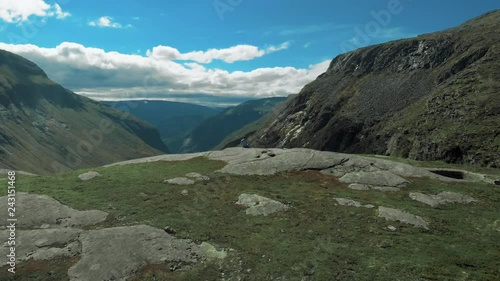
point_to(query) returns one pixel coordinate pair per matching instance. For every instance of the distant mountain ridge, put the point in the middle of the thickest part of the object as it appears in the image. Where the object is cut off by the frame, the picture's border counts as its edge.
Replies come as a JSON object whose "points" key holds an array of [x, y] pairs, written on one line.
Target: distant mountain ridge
{"points": [[249, 130], [45, 128], [172, 119], [433, 97], [212, 131]]}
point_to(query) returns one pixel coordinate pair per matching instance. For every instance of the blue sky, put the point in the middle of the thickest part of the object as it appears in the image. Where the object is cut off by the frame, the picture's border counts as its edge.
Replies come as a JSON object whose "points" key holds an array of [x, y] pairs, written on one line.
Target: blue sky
{"points": [[233, 48]]}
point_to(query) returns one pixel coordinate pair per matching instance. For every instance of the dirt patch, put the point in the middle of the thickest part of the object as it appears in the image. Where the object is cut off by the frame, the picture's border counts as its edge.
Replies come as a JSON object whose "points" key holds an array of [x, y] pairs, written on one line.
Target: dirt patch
{"points": [[55, 269]]}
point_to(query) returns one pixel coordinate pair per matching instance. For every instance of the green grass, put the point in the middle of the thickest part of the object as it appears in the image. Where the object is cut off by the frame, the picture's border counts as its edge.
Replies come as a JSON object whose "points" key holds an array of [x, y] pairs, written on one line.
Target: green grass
{"points": [[315, 238]]}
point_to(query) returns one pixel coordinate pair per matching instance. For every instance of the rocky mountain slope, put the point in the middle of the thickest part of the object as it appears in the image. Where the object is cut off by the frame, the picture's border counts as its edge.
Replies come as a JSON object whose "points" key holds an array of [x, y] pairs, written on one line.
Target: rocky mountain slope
{"points": [[215, 129], [45, 128], [433, 97]]}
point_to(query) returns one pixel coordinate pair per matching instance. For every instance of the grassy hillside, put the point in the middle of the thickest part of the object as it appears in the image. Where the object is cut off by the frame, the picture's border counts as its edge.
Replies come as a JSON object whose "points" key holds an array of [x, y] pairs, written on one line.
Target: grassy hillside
{"points": [[45, 128], [314, 240]]}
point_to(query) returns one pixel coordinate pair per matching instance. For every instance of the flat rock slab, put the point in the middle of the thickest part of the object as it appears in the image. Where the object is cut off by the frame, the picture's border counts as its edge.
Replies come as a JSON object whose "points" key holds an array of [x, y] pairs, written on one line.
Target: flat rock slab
{"points": [[40, 211], [256, 161], [259, 205], [197, 177], [106, 254], [378, 178], [246, 163], [166, 158], [442, 198], [357, 186], [353, 203], [116, 253], [386, 188], [180, 181], [89, 175], [391, 214], [44, 244]]}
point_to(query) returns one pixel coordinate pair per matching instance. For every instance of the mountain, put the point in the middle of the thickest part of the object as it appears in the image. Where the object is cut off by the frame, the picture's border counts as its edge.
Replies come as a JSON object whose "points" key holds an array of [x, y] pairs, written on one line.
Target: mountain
{"points": [[213, 130], [433, 97], [46, 128], [172, 119], [234, 139]]}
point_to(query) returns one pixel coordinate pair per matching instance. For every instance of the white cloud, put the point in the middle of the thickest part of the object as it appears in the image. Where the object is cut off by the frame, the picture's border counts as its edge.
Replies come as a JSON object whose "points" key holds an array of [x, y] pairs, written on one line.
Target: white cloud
{"points": [[111, 75], [283, 46], [106, 22], [228, 55], [59, 12], [21, 10]]}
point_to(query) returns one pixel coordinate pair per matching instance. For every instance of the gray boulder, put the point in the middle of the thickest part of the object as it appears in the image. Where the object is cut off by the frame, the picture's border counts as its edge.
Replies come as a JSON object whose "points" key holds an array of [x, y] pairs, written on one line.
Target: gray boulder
{"points": [[197, 177], [259, 205], [115, 253], [45, 244], [353, 203], [180, 181], [89, 175], [357, 186], [442, 198], [391, 214], [378, 178], [41, 210], [386, 188]]}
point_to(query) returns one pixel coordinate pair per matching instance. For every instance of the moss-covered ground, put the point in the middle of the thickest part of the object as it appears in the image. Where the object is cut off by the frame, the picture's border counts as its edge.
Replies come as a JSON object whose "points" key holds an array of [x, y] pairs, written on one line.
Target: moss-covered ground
{"points": [[314, 240]]}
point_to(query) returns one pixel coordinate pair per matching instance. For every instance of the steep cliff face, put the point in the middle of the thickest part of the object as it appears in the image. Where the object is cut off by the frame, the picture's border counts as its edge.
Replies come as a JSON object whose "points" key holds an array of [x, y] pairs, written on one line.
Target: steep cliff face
{"points": [[433, 97], [45, 128]]}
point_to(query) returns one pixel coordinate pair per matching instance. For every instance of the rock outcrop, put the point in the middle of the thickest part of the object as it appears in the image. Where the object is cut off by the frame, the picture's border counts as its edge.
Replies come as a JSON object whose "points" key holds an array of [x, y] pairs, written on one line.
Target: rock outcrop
{"points": [[47, 229], [249, 161], [379, 178], [89, 175], [392, 214], [116, 253], [352, 203], [260, 206], [441, 198]]}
